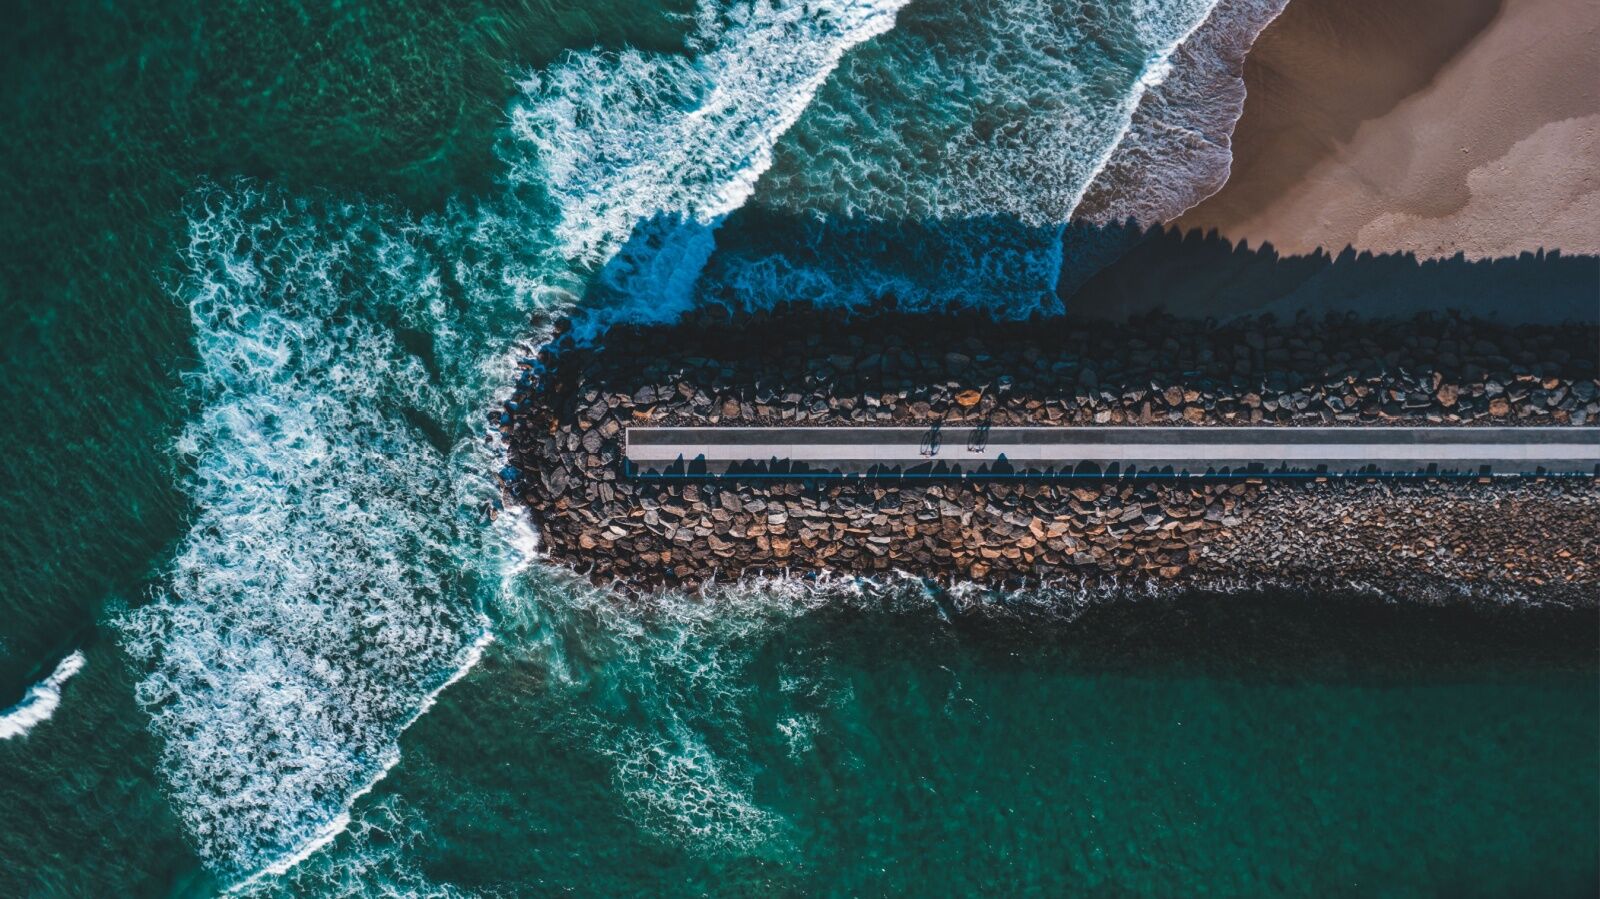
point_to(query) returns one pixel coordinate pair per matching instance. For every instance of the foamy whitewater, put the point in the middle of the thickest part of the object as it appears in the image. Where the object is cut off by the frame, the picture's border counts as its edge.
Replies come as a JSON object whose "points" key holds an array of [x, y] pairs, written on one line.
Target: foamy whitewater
{"points": [[340, 569], [1175, 151], [958, 196], [41, 700]]}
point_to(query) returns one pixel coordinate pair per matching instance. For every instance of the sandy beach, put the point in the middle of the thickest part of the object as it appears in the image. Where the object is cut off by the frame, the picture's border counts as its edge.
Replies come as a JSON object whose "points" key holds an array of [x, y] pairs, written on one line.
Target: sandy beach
{"points": [[1433, 127]]}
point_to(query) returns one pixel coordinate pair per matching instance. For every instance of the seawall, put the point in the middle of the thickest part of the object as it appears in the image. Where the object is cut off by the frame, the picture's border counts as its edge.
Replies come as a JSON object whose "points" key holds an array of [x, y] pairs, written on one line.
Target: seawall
{"points": [[803, 367]]}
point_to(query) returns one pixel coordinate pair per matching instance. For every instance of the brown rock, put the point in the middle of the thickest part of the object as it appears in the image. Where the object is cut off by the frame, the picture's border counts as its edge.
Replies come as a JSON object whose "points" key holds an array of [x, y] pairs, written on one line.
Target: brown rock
{"points": [[966, 399]]}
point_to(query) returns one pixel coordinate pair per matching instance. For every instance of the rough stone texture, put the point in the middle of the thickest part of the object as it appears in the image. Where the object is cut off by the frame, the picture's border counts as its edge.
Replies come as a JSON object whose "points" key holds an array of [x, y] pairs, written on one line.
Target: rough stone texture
{"points": [[566, 421], [1533, 538]]}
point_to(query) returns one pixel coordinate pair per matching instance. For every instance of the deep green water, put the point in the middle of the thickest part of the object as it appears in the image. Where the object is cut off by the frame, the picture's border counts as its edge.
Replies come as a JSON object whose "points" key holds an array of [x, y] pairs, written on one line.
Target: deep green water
{"points": [[252, 254]]}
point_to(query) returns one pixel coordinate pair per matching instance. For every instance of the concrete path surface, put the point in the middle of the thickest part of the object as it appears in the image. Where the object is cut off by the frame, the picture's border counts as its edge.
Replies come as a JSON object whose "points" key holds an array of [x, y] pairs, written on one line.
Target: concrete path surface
{"points": [[1094, 451]]}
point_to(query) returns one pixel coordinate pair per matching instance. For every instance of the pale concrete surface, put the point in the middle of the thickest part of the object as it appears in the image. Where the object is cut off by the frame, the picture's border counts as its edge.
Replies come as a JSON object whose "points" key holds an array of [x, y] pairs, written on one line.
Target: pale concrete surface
{"points": [[964, 450]]}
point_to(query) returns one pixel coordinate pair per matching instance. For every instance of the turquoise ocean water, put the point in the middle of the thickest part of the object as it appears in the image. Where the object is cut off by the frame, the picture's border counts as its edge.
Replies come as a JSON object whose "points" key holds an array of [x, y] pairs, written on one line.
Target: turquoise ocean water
{"points": [[263, 269]]}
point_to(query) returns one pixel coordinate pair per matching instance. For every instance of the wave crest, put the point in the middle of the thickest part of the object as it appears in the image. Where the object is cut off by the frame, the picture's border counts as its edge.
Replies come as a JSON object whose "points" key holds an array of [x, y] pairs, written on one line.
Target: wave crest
{"points": [[985, 108], [616, 138], [41, 700], [1177, 150]]}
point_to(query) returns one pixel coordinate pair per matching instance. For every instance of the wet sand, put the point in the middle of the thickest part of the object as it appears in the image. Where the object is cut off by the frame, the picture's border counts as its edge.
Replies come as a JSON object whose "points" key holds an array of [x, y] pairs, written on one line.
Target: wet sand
{"points": [[1433, 127]]}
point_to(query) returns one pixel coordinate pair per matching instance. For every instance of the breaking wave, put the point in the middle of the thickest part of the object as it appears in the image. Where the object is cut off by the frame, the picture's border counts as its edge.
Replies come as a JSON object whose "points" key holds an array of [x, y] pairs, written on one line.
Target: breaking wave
{"points": [[1177, 149], [645, 154], [972, 109], [617, 138], [41, 700], [318, 596], [939, 198], [332, 580], [375, 863]]}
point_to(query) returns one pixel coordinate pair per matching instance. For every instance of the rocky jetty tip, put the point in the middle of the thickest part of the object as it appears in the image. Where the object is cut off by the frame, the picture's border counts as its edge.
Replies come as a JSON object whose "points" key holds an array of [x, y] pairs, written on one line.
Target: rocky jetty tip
{"points": [[1537, 539]]}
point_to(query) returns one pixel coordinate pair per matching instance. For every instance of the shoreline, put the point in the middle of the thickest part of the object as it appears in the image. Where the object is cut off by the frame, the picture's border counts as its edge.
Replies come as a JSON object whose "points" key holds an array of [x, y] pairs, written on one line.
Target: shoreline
{"points": [[802, 366], [1437, 127]]}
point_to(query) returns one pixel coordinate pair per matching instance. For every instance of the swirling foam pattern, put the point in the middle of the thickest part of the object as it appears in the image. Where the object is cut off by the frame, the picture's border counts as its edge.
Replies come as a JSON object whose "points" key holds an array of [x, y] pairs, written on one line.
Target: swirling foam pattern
{"points": [[616, 138], [986, 108], [647, 153], [329, 583], [314, 601]]}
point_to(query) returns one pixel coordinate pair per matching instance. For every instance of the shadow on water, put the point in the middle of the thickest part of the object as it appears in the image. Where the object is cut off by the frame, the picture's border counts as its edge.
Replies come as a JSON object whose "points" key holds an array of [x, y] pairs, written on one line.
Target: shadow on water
{"points": [[1254, 636], [1007, 269], [1203, 274], [779, 293]]}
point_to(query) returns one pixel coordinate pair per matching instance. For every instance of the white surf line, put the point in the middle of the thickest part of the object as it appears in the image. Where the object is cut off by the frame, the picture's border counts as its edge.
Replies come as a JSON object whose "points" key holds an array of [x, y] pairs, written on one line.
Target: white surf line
{"points": [[341, 822], [871, 19], [1244, 94], [752, 98], [41, 700], [1155, 71]]}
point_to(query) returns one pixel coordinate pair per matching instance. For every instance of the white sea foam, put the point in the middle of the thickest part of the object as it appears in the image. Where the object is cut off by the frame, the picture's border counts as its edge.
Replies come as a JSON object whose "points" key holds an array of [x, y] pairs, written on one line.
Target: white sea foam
{"points": [[645, 154], [327, 588], [41, 700], [951, 189], [1157, 68], [1176, 150], [316, 601], [799, 733], [618, 138], [341, 821], [376, 863], [685, 791], [975, 109]]}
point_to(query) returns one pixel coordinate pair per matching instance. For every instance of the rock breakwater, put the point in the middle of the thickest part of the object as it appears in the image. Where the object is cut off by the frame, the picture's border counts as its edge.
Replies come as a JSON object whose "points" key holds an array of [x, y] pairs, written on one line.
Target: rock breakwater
{"points": [[566, 422]]}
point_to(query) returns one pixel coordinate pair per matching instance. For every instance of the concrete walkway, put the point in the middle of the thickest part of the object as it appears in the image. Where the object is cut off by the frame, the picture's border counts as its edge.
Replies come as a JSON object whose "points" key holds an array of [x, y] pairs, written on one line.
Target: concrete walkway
{"points": [[1093, 451]]}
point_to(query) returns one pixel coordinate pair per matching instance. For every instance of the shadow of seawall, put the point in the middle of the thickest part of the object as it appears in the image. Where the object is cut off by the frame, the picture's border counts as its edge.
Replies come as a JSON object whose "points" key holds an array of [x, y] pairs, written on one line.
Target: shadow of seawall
{"points": [[1200, 275], [759, 259]]}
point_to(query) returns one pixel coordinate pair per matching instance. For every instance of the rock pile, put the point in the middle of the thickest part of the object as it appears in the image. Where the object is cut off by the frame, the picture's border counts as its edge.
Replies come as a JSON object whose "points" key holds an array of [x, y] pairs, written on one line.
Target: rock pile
{"points": [[686, 533], [1530, 539], [565, 423]]}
